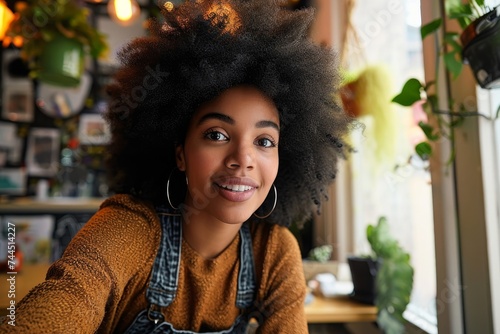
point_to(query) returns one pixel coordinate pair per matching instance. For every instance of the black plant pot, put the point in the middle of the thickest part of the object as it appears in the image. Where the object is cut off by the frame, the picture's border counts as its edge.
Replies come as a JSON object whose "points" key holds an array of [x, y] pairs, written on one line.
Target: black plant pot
{"points": [[481, 48], [363, 274]]}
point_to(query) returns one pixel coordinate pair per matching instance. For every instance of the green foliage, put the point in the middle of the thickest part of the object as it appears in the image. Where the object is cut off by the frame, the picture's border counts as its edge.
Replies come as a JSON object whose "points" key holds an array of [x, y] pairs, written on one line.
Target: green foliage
{"points": [[451, 53], [411, 93], [430, 27], [423, 150], [465, 13], [321, 253], [394, 281], [38, 22]]}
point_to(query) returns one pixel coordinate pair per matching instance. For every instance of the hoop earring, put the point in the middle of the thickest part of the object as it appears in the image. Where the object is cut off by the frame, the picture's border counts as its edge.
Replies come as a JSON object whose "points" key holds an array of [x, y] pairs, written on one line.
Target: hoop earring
{"points": [[274, 204], [168, 190]]}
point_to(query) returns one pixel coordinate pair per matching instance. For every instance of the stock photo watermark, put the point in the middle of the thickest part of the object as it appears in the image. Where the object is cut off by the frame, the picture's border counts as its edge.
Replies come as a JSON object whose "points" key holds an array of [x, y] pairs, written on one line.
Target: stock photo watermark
{"points": [[12, 264]]}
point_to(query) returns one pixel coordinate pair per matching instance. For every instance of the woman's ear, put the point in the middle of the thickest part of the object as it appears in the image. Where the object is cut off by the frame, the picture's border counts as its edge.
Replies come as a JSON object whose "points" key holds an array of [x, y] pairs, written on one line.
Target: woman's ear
{"points": [[179, 158]]}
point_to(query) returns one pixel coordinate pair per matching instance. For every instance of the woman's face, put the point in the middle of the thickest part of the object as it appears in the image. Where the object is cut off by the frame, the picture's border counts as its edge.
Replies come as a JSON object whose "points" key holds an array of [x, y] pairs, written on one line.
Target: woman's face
{"points": [[230, 155]]}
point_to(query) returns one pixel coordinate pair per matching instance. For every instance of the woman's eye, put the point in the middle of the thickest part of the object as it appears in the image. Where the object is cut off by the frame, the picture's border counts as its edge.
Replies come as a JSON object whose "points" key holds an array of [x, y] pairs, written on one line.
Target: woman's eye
{"points": [[266, 142], [215, 136]]}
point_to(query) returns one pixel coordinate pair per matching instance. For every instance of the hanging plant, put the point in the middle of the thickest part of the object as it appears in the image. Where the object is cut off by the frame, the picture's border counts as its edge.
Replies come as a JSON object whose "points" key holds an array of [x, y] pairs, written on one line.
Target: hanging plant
{"points": [[45, 24], [478, 22]]}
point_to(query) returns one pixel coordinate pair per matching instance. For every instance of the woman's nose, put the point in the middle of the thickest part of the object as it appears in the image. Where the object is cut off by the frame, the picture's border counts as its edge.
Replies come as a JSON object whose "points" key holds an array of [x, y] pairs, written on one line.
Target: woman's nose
{"points": [[241, 156]]}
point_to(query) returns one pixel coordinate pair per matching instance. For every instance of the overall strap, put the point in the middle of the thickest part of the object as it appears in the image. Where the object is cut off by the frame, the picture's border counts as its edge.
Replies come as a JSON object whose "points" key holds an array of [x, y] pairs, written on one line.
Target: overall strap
{"points": [[246, 276], [163, 284]]}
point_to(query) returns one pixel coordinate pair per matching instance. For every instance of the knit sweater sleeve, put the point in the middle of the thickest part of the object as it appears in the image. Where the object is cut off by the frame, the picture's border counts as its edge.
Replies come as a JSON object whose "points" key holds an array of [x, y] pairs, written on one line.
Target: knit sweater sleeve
{"points": [[282, 299], [88, 281]]}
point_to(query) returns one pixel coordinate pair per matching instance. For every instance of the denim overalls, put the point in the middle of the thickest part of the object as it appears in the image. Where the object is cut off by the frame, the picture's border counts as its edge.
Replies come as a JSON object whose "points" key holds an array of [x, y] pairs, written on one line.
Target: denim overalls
{"points": [[163, 284]]}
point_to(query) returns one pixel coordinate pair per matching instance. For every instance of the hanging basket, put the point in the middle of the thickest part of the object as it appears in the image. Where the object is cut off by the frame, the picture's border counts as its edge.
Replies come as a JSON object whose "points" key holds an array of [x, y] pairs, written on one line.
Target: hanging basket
{"points": [[481, 49], [61, 63]]}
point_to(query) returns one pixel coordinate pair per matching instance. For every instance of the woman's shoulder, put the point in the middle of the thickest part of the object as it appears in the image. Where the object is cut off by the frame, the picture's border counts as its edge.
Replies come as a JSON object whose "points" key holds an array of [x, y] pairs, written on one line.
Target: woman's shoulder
{"points": [[127, 207], [272, 241], [127, 202], [121, 215], [277, 235], [277, 257]]}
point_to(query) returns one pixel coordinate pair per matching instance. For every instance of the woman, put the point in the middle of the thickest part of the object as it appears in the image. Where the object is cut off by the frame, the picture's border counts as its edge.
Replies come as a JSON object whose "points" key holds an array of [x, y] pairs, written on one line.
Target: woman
{"points": [[225, 132]]}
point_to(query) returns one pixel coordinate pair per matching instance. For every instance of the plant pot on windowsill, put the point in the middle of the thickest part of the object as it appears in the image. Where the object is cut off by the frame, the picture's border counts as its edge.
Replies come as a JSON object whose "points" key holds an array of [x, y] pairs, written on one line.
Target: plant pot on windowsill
{"points": [[481, 48], [384, 278], [363, 274]]}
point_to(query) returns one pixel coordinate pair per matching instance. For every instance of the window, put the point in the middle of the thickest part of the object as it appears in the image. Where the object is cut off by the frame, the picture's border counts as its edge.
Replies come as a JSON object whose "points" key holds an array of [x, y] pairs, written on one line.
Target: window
{"points": [[385, 177]]}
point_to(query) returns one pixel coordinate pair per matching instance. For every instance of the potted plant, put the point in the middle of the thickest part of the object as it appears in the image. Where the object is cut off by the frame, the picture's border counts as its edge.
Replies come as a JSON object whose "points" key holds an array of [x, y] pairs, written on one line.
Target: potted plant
{"points": [[55, 37], [477, 45], [385, 278]]}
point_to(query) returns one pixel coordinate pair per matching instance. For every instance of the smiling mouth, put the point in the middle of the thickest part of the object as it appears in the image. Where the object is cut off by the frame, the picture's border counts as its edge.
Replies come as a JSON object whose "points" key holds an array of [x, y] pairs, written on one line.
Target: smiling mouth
{"points": [[238, 188]]}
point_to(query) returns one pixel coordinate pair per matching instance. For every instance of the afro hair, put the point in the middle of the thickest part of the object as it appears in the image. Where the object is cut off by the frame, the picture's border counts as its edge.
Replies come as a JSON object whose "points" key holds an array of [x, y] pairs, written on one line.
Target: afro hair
{"points": [[194, 53]]}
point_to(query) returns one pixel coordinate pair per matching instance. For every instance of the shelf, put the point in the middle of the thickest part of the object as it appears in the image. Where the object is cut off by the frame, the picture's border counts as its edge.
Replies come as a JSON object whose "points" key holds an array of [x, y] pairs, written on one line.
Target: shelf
{"points": [[51, 205]]}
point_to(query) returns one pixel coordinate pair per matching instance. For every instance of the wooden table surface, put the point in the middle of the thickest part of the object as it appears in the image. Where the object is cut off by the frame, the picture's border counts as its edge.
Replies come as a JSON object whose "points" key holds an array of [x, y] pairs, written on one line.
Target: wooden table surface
{"points": [[338, 309], [321, 310]]}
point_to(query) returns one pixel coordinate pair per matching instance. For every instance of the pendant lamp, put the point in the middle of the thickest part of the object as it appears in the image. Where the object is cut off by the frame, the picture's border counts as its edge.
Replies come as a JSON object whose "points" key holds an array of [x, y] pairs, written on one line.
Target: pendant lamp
{"points": [[124, 12], [6, 17]]}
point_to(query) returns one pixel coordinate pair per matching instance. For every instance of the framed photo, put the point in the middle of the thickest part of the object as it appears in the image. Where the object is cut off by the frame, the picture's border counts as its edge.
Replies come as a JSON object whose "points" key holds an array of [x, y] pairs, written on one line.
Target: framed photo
{"points": [[12, 181], [10, 144], [93, 130], [42, 154], [18, 102], [8, 134]]}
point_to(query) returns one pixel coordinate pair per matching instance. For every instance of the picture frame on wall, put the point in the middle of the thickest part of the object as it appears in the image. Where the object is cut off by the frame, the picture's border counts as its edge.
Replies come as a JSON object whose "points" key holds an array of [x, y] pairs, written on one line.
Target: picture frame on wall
{"points": [[12, 181], [17, 102], [7, 134], [93, 130], [10, 144], [42, 153]]}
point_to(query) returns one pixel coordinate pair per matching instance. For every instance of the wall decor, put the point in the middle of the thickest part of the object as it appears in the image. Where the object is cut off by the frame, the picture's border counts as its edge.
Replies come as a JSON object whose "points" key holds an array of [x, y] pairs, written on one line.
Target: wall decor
{"points": [[62, 102], [93, 130], [17, 102], [7, 134], [42, 154], [12, 181]]}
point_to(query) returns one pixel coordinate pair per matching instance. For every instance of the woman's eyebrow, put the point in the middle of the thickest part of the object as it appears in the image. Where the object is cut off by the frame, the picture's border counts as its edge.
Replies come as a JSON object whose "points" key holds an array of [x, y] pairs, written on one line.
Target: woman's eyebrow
{"points": [[229, 120], [267, 124], [216, 115]]}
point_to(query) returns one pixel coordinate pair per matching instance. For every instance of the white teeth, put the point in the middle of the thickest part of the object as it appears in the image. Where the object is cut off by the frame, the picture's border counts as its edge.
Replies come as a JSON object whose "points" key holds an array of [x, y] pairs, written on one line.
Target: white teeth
{"points": [[236, 187]]}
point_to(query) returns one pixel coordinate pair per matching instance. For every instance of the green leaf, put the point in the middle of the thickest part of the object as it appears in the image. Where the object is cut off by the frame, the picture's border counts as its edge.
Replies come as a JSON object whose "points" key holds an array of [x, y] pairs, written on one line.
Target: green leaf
{"points": [[394, 281], [428, 131], [432, 100], [424, 150], [430, 27], [452, 64], [450, 4], [410, 93], [452, 38]]}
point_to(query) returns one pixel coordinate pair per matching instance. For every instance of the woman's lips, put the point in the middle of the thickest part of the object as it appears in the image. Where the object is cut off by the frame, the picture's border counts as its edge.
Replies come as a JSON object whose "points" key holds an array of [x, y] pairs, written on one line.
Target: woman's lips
{"points": [[236, 190]]}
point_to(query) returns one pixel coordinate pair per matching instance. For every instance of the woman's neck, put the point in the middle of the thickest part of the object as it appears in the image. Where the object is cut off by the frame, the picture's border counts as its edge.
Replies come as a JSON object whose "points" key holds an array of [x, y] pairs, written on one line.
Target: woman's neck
{"points": [[207, 236]]}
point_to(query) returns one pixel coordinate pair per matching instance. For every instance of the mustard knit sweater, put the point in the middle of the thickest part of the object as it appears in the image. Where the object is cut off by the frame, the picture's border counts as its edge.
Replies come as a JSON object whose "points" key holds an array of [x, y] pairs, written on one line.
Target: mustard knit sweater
{"points": [[99, 284]]}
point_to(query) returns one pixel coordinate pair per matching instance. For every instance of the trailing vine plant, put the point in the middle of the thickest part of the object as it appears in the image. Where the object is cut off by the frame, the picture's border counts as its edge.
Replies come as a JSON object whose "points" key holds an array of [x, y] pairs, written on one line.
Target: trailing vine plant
{"points": [[414, 90]]}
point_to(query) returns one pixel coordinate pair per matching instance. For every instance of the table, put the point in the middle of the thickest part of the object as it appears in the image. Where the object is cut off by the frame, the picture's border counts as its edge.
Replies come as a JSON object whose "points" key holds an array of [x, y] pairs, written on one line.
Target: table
{"points": [[338, 309]]}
